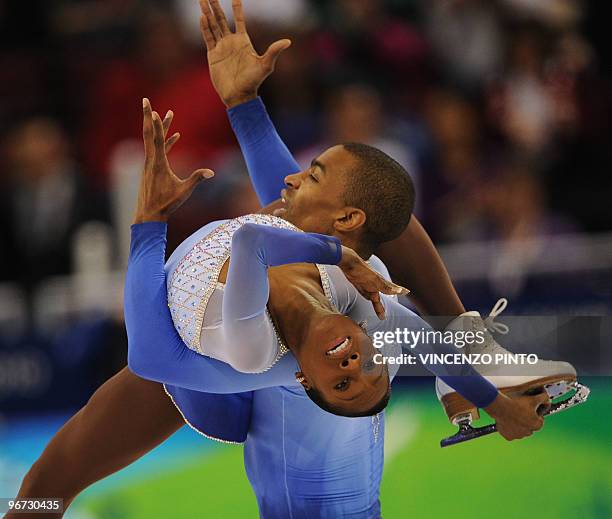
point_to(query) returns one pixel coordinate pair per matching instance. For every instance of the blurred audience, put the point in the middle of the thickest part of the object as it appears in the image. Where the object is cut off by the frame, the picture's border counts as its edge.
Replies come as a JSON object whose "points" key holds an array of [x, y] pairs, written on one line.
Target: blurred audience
{"points": [[515, 206], [45, 199], [468, 39], [523, 102], [457, 168], [363, 41], [499, 110], [356, 113], [164, 68]]}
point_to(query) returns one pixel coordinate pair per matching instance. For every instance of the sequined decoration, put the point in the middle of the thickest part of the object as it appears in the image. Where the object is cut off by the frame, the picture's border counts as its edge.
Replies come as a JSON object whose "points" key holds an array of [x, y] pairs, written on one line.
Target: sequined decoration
{"points": [[375, 418], [376, 426], [196, 277], [191, 426]]}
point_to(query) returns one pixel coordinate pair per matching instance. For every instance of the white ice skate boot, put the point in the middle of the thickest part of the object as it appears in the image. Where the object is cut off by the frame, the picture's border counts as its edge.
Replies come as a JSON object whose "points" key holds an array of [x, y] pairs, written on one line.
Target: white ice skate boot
{"points": [[557, 378]]}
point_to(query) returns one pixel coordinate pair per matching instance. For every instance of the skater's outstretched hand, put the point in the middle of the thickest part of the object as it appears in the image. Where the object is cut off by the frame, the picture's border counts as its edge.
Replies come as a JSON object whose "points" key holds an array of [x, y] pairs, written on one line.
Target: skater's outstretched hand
{"points": [[367, 281], [518, 416], [236, 70], [161, 191]]}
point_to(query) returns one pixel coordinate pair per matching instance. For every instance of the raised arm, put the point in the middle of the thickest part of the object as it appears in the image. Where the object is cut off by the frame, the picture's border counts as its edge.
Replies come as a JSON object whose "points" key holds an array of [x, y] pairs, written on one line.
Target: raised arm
{"points": [[155, 350], [516, 417], [237, 71], [267, 157]]}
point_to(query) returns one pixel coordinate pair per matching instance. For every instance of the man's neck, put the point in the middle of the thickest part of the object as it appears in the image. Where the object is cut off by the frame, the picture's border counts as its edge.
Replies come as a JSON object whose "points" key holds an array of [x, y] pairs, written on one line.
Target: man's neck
{"points": [[365, 252], [354, 241]]}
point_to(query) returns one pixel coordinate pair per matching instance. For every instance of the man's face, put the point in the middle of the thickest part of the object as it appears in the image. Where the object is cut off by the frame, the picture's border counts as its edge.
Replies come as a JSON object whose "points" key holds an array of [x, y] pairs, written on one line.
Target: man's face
{"points": [[314, 198]]}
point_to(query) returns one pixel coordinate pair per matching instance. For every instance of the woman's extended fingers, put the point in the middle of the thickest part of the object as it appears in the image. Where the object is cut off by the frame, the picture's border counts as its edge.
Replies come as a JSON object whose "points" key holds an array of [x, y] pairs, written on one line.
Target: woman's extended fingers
{"points": [[172, 141], [147, 130], [167, 121], [385, 286], [239, 16], [392, 289], [377, 304], [381, 284], [220, 16], [158, 138]]}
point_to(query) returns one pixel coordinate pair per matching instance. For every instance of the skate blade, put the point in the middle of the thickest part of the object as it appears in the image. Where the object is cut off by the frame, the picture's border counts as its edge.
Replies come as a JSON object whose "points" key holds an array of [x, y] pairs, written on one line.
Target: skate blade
{"points": [[580, 394], [466, 432], [455, 405]]}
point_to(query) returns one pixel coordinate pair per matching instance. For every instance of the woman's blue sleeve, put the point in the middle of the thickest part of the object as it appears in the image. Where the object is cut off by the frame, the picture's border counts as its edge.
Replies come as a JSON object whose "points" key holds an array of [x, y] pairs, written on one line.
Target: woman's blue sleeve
{"points": [[255, 248], [463, 378], [248, 339], [155, 350], [267, 158]]}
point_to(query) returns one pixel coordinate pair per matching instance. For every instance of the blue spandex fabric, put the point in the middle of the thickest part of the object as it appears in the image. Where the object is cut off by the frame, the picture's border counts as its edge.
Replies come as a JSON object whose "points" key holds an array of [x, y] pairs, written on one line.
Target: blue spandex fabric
{"points": [[302, 462], [156, 351]]}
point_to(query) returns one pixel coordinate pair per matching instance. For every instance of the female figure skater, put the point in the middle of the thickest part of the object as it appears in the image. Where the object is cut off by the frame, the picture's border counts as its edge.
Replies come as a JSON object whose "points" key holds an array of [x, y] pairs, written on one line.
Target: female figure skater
{"points": [[313, 311]]}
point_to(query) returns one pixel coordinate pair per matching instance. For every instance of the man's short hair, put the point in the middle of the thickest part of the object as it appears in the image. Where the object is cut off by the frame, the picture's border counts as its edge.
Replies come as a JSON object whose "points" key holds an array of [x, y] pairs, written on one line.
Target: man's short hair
{"points": [[378, 407], [383, 189]]}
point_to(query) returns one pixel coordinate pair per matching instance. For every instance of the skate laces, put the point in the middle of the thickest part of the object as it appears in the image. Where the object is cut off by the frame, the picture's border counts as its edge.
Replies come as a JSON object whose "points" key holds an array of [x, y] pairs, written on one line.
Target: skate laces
{"points": [[490, 323]]}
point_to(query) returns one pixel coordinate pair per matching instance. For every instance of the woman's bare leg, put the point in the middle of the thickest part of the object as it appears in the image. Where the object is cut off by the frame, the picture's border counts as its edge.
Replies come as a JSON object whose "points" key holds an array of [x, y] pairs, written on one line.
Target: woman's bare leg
{"points": [[124, 419]]}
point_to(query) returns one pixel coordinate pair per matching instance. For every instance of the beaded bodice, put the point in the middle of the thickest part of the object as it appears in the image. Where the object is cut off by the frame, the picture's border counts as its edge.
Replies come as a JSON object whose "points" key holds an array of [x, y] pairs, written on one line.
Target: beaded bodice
{"points": [[196, 277]]}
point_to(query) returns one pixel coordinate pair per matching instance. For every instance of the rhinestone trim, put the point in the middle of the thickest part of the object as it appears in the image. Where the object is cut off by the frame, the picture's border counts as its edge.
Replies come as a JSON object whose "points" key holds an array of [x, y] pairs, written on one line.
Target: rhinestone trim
{"points": [[376, 426], [282, 348], [197, 275], [326, 284], [193, 427]]}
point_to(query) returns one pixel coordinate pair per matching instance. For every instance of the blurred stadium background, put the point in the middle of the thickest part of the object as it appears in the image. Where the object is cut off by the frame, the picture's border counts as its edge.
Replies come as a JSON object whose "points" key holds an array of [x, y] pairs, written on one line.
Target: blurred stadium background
{"points": [[501, 111]]}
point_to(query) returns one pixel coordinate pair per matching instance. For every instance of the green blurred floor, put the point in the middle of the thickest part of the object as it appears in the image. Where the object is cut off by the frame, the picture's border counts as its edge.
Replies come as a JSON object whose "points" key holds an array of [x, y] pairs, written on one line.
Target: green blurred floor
{"points": [[565, 471]]}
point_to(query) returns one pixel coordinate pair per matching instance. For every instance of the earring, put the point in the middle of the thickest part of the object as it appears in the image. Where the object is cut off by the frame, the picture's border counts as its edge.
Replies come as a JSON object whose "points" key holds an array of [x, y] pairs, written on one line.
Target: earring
{"points": [[300, 378]]}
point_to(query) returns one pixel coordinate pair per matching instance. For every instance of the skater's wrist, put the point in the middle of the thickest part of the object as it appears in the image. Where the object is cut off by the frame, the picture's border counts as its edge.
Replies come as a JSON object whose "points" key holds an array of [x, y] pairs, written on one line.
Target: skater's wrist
{"points": [[240, 99], [499, 407]]}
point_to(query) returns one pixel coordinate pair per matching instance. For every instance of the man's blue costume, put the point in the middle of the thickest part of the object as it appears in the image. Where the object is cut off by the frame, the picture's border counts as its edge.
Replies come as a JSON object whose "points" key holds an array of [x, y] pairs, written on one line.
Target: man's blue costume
{"points": [[301, 461]]}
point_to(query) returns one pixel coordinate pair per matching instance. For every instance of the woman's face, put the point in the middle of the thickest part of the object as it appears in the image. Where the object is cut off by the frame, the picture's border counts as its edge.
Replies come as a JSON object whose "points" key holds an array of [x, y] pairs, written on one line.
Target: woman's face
{"points": [[336, 360]]}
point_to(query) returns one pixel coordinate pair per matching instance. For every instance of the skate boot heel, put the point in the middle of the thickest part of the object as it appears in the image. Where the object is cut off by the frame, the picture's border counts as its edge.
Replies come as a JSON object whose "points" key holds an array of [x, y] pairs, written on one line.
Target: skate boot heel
{"points": [[458, 409]]}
